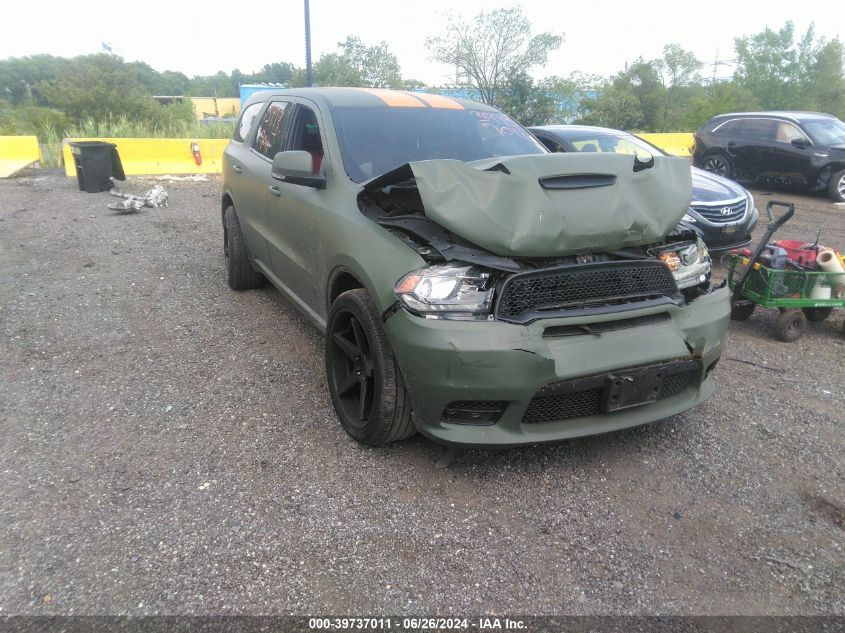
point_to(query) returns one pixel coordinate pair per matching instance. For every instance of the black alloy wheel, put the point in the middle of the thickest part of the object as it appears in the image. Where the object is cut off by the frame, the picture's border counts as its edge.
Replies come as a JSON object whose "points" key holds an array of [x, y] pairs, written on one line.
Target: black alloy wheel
{"points": [[718, 164], [351, 368], [365, 383], [837, 187]]}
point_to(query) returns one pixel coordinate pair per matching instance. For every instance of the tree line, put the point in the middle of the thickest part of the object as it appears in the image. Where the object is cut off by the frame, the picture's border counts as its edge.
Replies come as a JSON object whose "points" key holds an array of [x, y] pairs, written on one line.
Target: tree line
{"points": [[493, 55], [774, 70]]}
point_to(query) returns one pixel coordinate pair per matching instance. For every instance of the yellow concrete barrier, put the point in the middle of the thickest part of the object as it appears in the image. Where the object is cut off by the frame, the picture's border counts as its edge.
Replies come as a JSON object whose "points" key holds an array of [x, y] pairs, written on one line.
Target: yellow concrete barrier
{"points": [[216, 107], [678, 144], [156, 156], [17, 153]]}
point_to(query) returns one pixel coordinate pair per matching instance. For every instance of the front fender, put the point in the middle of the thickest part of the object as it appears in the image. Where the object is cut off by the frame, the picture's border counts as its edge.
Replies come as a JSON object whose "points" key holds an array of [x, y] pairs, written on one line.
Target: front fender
{"points": [[377, 270]]}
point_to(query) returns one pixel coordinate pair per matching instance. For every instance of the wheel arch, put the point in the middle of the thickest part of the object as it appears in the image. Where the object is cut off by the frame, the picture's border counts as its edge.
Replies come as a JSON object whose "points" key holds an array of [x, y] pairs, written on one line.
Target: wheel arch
{"points": [[722, 151], [341, 279], [835, 168], [376, 270], [226, 201]]}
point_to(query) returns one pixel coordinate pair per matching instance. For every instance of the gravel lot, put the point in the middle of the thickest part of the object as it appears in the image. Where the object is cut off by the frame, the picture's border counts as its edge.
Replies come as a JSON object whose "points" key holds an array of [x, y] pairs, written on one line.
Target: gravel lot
{"points": [[168, 446]]}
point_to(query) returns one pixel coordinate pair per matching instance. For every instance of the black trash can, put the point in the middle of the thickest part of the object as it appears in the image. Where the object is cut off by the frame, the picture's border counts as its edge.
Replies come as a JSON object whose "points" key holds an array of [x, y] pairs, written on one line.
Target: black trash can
{"points": [[97, 162]]}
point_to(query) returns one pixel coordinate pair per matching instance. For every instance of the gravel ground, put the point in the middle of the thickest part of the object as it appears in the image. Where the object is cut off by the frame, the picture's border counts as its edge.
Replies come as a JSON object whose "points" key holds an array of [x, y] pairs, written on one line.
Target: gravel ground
{"points": [[168, 446]]}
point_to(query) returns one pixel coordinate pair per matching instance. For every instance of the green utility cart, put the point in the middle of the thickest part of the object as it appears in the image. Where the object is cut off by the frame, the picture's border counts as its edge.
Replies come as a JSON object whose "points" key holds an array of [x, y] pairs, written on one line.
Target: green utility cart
{"points": [[801, 295]]}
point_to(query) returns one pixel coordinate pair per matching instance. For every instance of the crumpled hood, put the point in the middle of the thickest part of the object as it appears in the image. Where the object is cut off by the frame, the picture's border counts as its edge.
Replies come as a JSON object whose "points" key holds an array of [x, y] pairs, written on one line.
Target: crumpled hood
{"points": [[546, 205]]}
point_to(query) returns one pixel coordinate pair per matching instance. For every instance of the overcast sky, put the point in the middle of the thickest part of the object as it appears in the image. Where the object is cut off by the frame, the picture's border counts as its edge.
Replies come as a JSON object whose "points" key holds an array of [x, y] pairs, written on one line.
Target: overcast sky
{"points": [[204, 37]]}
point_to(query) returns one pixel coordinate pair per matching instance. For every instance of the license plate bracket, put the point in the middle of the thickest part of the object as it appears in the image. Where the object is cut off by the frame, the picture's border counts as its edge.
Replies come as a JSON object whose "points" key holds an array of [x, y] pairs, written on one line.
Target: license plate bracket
{"points": [[627, 389]]}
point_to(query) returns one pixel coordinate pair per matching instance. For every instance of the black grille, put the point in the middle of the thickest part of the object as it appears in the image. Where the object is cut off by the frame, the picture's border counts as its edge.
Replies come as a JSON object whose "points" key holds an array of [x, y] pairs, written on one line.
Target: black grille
{"points": [[565, 407], [582, 397], [474, 411], [481, 405], [673, 385], [532, 295], [735, 212]]}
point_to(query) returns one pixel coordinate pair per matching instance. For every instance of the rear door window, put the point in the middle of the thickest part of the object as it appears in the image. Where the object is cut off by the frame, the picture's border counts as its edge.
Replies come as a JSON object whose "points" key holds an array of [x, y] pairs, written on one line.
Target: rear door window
{"points": [[273, 129], [758, 129], [727, 128]]}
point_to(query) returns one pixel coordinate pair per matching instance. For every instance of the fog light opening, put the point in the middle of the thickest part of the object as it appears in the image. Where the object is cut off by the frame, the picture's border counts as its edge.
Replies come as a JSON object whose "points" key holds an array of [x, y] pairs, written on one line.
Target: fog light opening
{"points": [[474, 412]]}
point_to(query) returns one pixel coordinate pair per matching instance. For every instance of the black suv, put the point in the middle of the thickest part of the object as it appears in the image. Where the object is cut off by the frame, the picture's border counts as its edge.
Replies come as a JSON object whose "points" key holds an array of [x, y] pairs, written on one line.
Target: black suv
{"points": [[804, 149]]}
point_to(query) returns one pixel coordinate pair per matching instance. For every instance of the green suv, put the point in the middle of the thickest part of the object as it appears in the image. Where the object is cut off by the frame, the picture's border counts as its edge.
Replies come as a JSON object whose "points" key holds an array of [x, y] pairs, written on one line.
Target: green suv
{"points": [[472, 286]]}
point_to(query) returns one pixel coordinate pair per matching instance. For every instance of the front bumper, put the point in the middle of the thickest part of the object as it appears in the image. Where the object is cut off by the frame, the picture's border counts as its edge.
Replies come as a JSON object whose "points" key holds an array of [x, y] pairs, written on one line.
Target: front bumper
{"points": [[447, 361]]}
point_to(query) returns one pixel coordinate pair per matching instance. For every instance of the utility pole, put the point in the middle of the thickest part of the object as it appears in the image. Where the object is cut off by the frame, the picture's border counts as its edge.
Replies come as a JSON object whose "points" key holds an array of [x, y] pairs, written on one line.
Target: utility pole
{"points": [[309, 75], [718, 63], [715, 63]]}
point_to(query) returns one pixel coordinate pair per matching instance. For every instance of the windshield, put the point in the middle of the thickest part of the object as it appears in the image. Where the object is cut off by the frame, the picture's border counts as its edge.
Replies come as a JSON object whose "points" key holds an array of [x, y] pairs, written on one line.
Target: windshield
{"points": [[826, 131], [374, 141], [611, 142]]}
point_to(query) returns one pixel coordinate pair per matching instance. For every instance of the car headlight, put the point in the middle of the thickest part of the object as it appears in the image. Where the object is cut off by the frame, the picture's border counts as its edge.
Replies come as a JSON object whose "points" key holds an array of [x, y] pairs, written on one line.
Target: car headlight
{"points": [[689, 263], [688, 218], [448, 291], [750, 208]]}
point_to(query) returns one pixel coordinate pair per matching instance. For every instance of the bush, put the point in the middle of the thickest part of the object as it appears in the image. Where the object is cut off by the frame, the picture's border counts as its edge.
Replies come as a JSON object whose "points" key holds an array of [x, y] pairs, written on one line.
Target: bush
{"points": [[30, 120]]}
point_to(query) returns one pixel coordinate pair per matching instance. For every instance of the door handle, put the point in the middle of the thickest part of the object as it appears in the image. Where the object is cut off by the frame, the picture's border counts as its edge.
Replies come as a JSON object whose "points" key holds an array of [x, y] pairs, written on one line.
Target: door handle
{"points": [[275, 190], [237, 169]]}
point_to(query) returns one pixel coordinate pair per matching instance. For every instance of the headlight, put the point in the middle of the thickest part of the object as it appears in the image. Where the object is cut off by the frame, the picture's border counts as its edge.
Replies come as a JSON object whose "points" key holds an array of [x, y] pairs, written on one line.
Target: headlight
{"points": [[448, 291], [689, 263], [695, 265], [688, 218], [750, 208]]}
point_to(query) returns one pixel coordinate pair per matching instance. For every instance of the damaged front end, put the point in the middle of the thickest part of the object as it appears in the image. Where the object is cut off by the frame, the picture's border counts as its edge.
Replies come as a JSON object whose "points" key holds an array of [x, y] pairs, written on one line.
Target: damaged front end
{"points": [[522, 238]]}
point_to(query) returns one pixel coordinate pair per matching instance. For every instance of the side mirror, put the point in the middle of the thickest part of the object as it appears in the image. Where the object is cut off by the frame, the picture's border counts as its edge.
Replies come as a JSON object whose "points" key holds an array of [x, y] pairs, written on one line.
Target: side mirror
{"points": [[801, 143], [643, 161], [297, 168]]}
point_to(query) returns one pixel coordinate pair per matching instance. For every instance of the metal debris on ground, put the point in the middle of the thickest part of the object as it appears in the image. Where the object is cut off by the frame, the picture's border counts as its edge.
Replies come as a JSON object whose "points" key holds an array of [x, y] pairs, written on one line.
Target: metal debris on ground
{"points": [[191, 178], [154, 198]]}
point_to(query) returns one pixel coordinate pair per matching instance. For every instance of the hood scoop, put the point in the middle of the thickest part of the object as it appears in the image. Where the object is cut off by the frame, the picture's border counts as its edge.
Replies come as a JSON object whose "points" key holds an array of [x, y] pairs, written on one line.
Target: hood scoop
{"points": [[577, 181]]}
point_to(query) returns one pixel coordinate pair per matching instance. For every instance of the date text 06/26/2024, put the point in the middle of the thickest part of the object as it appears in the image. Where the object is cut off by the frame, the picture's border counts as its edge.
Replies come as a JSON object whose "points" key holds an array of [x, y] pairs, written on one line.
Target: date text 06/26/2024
{"points": [[414, 624]]}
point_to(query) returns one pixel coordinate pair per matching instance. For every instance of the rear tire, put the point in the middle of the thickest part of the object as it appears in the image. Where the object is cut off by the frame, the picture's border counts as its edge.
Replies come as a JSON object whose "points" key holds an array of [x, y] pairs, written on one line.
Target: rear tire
{"points": [[791, 325], [239, 270], [719, 163], [365, 384], [817, 315], [741, 311], [836, 187]]}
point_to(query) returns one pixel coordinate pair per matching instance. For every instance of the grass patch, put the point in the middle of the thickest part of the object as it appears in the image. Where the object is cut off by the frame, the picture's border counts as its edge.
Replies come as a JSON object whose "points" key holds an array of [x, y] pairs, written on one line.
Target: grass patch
{"points": [[50, 136], [51, 126]]}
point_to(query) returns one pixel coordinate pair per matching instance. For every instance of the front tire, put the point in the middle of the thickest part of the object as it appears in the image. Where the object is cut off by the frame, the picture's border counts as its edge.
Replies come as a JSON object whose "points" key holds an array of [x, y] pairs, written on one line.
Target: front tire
{"points": [[719, 164], [239, 271], [742, 310], [367, 390], [836, 188], [791, 325]]}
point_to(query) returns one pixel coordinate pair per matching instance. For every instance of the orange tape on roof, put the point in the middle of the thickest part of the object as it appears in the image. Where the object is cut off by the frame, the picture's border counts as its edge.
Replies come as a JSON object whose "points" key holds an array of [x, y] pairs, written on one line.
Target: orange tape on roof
{"points": [[394, 98], [439, 101]]}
